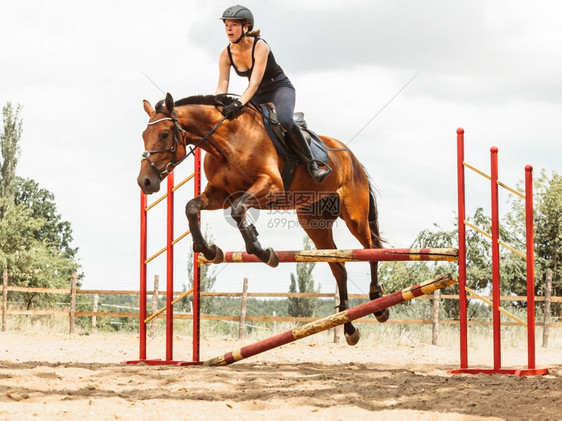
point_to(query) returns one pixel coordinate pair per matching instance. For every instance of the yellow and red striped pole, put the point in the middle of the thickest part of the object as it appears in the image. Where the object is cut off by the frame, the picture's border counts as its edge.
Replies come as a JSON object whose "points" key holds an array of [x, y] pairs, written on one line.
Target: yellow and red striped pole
{"points": [[329, 322], [350, 255]]}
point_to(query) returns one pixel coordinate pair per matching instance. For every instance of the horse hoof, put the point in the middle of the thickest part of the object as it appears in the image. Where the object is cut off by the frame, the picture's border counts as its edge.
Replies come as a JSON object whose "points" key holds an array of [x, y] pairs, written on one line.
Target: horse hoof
{"points": [[273, 260], [215, 254], [353, 338], [219, 256], [382, 316]]}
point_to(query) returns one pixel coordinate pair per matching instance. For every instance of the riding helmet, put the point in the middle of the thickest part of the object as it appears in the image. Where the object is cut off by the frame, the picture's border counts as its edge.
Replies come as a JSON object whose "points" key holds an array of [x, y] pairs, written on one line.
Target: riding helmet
{"points": [[239, 13]]}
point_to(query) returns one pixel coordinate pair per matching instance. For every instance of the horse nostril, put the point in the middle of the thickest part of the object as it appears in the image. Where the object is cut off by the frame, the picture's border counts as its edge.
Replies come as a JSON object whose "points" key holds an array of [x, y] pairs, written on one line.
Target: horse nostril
{"points": [[147, 182]]}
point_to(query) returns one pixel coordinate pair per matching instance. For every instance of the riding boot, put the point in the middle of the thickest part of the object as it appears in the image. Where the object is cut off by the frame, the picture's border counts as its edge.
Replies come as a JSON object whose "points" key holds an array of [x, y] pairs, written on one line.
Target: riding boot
{"points": [[302, 148]]}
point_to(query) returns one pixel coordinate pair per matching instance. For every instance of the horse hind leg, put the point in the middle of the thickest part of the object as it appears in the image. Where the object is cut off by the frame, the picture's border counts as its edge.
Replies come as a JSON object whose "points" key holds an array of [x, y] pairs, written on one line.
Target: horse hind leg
{"points": [[319, 229], [366, 230], [375, 289]]}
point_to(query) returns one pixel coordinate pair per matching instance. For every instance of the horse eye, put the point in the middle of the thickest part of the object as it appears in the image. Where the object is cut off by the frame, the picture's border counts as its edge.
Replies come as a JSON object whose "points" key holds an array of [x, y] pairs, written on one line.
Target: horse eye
{"points": [[164, 135]]}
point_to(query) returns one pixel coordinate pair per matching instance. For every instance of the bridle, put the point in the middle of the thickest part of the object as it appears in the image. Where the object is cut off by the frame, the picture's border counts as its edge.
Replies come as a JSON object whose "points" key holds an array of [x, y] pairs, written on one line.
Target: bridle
{"points": [[174, 148], [175, 143]]}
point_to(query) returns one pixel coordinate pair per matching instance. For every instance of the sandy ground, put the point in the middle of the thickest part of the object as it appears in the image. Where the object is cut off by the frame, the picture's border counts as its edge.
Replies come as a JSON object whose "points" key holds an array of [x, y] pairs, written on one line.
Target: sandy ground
{"points": [[55, 376]]}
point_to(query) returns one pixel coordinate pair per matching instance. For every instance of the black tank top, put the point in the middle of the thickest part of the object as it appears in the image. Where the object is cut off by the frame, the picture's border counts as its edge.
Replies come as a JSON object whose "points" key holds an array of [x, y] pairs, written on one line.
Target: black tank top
{"points": [[272, 69]]}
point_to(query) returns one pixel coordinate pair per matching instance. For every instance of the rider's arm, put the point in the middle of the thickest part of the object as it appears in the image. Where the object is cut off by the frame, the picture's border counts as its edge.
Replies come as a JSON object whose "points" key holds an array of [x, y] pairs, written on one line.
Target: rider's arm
{"points": [[224, 73], [260, 56]]}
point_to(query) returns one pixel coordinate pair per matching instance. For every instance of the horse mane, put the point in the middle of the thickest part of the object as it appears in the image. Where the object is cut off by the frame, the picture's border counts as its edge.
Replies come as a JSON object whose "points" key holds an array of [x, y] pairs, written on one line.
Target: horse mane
{"points": [[213, 100]]}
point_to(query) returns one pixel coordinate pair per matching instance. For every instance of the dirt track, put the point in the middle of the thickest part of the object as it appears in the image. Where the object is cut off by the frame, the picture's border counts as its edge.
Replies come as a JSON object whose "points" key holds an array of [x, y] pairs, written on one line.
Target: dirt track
{"points": [[61, 377]]}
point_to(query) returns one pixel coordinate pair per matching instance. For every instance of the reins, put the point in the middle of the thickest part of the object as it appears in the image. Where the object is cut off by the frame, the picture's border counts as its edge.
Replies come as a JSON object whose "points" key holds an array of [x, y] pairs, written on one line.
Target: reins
{"points": [[206, 138]]}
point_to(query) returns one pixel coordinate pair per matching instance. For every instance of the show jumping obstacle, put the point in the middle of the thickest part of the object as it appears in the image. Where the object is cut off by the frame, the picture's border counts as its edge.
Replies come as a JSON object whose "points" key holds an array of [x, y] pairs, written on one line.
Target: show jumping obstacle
{"points": [[496, 242], [169, 250], [364, 255], [334, 320]]}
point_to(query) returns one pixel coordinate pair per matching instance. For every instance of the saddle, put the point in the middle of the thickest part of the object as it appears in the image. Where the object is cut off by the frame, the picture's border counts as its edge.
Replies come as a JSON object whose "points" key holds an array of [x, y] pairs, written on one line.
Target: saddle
{"points": [[273, 127]]}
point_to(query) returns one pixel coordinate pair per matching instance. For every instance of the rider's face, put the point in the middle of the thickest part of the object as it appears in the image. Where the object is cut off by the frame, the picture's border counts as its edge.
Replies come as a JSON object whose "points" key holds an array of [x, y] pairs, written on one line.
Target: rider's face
{"points": [[233, 29]]}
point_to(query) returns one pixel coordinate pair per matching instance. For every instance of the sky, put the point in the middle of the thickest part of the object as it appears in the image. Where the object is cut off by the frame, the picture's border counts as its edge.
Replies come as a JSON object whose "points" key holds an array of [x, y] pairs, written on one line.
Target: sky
{"points": [[81, 70]]}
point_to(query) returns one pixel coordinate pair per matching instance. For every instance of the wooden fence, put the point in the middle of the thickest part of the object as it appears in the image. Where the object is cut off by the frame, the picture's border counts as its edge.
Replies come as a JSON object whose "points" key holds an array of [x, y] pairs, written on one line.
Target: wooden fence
{"points": [[242, 319]]}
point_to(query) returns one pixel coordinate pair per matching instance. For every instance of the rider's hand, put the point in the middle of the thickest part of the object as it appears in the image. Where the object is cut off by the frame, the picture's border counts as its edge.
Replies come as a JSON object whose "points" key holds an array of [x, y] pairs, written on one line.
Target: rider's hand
{"points": [[231, 109]]}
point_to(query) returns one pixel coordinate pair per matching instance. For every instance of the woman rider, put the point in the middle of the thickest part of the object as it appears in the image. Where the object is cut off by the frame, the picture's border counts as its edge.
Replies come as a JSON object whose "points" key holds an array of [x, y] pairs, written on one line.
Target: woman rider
{"points": [[251, 57]]}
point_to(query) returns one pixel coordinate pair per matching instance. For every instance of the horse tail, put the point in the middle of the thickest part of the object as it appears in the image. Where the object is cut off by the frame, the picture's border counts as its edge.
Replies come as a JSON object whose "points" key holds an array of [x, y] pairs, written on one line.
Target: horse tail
{"points": [[373, 215]]}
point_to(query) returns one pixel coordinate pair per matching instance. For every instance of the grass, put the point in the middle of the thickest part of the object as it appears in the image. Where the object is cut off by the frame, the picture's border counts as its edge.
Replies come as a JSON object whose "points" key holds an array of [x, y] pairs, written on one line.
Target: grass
{"points": [[371, 333]]}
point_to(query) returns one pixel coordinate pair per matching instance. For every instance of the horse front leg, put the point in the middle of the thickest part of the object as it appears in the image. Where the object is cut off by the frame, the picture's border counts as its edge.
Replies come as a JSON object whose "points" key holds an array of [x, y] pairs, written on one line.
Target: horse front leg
{"points": [[248, 230], [208, 200]]}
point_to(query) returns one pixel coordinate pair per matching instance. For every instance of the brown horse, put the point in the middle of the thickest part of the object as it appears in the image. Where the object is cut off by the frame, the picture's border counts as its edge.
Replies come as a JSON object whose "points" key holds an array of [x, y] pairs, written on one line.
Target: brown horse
{"points": [[243, 170]]}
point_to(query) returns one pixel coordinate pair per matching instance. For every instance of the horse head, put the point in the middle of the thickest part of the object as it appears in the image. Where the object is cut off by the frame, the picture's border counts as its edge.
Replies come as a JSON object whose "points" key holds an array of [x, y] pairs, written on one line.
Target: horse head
{"points": [[163, 145]]}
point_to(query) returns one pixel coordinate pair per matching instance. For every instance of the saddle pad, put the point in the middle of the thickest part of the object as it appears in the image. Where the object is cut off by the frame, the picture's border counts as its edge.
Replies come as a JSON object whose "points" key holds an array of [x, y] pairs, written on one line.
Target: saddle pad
{"points": [[317, 147], [278, 142]]}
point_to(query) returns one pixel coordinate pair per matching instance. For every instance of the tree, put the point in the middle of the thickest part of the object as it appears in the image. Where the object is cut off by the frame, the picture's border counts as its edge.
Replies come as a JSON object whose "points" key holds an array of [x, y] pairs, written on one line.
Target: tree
{"points": [[548, 236], [303, 306], [9, 153], [208, 278], [548, 230], [55, 232], [35, 242], [548, 249], [398, 275]]}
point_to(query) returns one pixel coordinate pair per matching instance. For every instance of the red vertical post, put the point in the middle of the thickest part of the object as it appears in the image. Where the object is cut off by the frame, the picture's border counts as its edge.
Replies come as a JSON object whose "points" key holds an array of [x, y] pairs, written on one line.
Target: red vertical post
{"points": [[462, 250], [530, 237], [196, 272], [495, 257], [142, 296], [170, 269]]}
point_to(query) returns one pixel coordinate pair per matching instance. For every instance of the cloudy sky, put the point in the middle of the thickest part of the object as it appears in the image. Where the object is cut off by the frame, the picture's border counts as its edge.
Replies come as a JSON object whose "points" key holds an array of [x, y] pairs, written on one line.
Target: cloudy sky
{"points": [[78, 69]]}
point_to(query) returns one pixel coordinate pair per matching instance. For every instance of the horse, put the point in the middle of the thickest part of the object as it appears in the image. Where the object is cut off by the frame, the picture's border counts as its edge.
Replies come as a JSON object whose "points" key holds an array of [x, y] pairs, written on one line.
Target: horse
{"points": [[243, 170]]}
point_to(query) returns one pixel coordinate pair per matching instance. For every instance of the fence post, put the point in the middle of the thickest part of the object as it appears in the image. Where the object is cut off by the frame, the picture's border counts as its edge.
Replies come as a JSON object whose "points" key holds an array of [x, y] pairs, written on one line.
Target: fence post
{"points": [[4, 298], [241, 328], [95, 310], [72, 303], [547, 293], [435, 331], [154, 304]]}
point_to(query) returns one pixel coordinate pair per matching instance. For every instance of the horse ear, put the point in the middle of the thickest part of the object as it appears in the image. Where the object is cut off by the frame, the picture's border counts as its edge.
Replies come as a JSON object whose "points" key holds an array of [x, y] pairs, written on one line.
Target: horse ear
{"points": [[148, 108], [169, 102]]}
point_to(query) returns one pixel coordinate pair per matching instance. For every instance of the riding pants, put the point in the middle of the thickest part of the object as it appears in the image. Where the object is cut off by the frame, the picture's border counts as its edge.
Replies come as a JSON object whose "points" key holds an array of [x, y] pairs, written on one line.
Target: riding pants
{"points": [[282, 93]]}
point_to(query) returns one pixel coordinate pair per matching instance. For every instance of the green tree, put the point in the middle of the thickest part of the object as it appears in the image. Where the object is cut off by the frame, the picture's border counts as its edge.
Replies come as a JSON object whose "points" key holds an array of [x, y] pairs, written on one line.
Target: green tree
{"points": [[303, 306], [548, 236], [9, 153], [398, 275], [55, 232], [548, 249], [208, 278], [35, 242], [548, 231]]}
